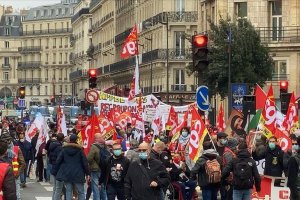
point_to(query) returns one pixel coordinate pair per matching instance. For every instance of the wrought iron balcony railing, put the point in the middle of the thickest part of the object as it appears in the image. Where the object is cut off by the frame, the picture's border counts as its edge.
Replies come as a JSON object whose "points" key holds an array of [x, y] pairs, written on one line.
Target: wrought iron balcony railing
{"points": [[78, 74], [83, 11], [34, 64], [29, 80], [6, 66], [30, 49], [279, 77], [47, 31], [285, 34]]}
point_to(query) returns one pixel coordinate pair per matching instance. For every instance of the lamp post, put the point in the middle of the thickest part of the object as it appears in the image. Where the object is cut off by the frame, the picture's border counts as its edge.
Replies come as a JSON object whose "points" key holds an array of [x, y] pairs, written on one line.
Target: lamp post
{"points": [[229, 70], [151, 67]]}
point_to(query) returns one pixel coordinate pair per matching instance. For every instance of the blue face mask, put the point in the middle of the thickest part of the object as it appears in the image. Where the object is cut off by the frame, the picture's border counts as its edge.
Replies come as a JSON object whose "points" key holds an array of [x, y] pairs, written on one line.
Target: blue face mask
{"points": [[117, 152], [143, 155], [272, 145], [224, 142], [184, 133], [295, 147]]}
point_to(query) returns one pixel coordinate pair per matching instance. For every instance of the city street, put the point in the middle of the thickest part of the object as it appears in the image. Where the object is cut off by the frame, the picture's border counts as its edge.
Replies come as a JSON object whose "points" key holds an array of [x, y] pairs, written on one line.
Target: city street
{"points": [[37, 191]]}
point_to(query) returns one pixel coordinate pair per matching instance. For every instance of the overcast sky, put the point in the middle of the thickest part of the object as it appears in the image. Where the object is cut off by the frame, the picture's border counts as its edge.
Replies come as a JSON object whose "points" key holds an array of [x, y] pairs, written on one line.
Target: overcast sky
{"points": [[17, 4]]}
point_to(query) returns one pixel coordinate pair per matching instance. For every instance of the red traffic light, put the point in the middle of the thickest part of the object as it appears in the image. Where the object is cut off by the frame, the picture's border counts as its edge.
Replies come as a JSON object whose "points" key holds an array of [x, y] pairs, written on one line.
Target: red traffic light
{"points": [[200, 40], [92, 73], [284, 85]]}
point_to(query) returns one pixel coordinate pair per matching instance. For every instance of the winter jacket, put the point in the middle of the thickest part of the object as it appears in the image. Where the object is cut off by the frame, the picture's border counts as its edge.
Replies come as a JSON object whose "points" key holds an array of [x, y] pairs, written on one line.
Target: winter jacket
{"points": [[26, 150], [110, 173], [286, 157], [8, 185], [71, 164], [132, 155], [199, 168], [94, 158], [242, 155], [139, 176], [273, 160], [293, 176], [54, 150], [164, 157], [47, 146]]}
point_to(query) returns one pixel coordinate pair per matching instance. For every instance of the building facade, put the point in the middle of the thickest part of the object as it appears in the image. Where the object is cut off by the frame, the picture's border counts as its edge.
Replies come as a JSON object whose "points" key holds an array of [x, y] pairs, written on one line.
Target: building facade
{"points": [[10, 41], [81, 57], [45, 50], [164, 29]]}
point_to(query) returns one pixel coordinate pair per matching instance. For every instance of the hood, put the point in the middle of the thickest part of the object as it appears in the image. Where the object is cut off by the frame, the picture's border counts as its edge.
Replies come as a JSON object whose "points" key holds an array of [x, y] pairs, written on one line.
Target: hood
{"points": [[54, 145], [72, 148], [244, 153]]}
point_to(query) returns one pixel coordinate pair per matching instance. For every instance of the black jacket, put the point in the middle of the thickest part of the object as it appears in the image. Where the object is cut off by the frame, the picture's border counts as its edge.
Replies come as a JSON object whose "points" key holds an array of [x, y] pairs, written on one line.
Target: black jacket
{"points": [[26, 150], [165, 157], [71, 164], [199, 169], [113, 176], [54, 150], [8, 186], [139, 176], [242, 154], [293, 182], [273, 160]]}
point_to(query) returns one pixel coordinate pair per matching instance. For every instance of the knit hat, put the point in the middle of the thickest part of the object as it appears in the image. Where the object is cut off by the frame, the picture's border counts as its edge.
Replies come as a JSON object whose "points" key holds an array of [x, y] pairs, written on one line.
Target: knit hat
{"points": [[73, 138], [5, 136]]}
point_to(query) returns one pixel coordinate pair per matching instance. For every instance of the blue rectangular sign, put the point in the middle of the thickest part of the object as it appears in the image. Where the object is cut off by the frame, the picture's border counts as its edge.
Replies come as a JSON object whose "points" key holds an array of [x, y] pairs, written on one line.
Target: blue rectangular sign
{"points": [[238, 91]]}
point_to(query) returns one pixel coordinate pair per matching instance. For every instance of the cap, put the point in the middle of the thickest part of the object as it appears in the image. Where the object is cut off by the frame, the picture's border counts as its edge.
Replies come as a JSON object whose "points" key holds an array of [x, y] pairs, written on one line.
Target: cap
{"points": [[232, 143], [221, 135], [73, 138]]}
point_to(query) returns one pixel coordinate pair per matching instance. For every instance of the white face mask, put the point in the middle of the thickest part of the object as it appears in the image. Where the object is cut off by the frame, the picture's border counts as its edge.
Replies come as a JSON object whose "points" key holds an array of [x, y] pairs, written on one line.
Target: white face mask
{"points": [[22, 140], [184, 133]]}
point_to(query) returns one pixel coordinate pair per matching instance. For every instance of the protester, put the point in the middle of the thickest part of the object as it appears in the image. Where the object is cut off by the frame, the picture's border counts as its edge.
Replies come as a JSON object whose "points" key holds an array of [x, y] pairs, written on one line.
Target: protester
{"points": [[132, 153], [7, 179], [245, 174], [72, 168], [146, 177]]}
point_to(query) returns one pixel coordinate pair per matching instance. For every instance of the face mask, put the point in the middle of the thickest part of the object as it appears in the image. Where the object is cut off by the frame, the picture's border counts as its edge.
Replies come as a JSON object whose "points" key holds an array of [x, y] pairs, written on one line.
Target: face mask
{"points": [[295, 147], [258, 137], [117, 152], [143, 155], [272, 145], [224, 142], [184, 134], [21, 140]]}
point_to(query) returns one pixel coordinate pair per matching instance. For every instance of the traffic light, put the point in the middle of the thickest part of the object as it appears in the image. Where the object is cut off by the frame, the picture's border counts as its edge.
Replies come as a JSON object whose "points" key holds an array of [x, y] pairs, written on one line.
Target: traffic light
{"points": [[200, 51], [284, 96], [92, 78], [284, 87], [22, 92]]}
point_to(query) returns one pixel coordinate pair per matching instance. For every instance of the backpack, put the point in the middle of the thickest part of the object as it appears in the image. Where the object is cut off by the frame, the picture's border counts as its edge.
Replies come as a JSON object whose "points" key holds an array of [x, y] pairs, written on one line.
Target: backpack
{"points": [[104, 155], [213, 171], [242, 173]]}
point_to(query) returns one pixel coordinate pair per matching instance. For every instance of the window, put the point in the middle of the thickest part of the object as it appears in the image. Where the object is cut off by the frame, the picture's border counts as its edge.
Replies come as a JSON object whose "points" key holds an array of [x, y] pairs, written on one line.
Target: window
{"points": [[276, 20], [179, 43], [6, 61], [66, 54], [47, 43], [180, 5], [241, 9], [47, 57], [60, 89], [60, 58], [5, 76], [179, 79], [7, 31], [54, 42], [6, 44], [66, 89], [46, 90], [22, 18], [54, 58], [47, 74], [279, 70]]}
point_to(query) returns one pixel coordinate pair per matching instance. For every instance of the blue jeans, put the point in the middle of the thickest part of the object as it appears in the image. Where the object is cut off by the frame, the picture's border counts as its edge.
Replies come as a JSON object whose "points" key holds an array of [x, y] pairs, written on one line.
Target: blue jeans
{"points": [[57, 189], [80, 190], [209, 193], [95, 185], [18, 188], [48, 170], [242, 194], [23, 173]]}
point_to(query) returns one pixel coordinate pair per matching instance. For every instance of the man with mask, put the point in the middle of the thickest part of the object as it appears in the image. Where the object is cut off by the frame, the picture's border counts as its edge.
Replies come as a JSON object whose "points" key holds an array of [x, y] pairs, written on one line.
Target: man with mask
{"points": [[115, 170], [146, 177], [273, 156], [26, 149]]}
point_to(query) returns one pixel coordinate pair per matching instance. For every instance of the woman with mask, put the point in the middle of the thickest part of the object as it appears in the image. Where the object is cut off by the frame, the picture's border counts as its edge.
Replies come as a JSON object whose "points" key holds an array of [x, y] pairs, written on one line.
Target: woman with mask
{"points": [[115, 169]]}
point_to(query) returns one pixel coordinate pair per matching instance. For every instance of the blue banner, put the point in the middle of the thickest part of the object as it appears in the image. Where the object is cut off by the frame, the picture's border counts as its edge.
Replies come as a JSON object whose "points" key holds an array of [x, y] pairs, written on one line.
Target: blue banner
{"points": [[238, 91]]}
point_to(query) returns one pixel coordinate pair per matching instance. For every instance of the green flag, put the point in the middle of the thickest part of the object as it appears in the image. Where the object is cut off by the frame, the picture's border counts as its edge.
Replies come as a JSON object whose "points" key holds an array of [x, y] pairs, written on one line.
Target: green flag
{"points": [[254, 121]]}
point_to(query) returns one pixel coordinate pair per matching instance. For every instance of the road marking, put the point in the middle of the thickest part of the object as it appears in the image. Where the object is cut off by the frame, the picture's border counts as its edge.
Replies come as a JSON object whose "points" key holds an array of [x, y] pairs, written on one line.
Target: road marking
{"points": [[49, 189], [43, 198], [44, 183]]}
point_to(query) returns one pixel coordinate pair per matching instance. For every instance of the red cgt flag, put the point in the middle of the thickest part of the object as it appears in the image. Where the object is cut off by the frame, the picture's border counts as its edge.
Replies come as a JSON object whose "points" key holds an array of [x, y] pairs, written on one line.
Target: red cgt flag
{"points": [[283, 140], [172, 122], [261, 97], [269, 114], [220, 119], [130, 47], [290, 122]]}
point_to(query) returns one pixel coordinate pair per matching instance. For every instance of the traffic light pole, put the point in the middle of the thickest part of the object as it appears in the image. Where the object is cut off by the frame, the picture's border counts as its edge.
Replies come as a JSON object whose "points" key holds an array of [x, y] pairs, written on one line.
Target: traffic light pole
{"points": [[229, 73]]}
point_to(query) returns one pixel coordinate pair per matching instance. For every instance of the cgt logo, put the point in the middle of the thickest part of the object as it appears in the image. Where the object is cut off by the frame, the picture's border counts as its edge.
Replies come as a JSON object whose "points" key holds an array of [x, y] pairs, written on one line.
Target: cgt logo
{"points": [[282, 195]]}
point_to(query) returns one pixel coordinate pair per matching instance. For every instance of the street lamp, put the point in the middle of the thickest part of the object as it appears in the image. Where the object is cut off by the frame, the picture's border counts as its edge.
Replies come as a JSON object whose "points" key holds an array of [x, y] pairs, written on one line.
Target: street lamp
{"points": [[229, 40], [151, 72]]}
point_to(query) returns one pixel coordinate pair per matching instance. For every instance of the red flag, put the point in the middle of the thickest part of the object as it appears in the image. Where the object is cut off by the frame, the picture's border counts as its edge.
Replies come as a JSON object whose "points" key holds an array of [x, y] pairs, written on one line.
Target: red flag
{"points": [[220, 119], [130, 46], [106, 129], [269, 114], [261, 97], [172, 122], [124, 119], [290, 122], [176, 131], [58, 119], [198, 133], [283, 140], [88, 133], [114, 114]]}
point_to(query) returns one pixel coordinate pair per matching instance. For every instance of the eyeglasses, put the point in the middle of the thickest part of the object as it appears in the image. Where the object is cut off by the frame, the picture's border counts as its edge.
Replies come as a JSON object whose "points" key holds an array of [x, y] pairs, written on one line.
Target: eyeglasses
{"points": [[142, 150]]}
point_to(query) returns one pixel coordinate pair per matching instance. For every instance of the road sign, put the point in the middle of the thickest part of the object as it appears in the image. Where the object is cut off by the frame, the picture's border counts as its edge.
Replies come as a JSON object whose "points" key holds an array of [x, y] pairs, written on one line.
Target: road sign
{"points": [[21, 103], [202, 98], [91, 96]]}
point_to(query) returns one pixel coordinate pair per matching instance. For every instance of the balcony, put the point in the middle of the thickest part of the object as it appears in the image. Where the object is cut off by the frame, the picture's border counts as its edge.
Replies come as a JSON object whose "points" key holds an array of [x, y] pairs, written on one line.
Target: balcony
{"points": [[286, 34], [78, 74], [47, 32], [178, 87], [122, 36], [280, 77], [155, 55], [6, 66], [83, 11], [94, 3], [25, 65], [29, 80], [30, 49]]}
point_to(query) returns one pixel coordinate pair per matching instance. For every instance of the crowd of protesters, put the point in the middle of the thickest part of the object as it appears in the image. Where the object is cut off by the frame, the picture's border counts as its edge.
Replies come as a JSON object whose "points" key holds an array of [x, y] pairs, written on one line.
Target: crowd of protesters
{"points": [[147, 169]]}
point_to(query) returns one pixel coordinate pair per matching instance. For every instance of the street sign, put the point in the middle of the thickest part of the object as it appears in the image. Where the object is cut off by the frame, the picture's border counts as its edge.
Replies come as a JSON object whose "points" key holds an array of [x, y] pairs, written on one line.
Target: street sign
{"points": [[91, 96], [21, 103], [202, 98]]}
